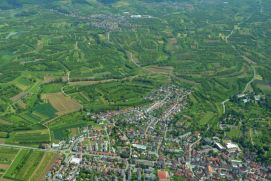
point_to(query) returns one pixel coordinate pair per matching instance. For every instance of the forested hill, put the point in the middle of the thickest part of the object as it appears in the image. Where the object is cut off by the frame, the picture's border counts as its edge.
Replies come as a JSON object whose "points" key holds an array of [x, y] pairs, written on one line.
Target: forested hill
{"points": [[12, 4]]}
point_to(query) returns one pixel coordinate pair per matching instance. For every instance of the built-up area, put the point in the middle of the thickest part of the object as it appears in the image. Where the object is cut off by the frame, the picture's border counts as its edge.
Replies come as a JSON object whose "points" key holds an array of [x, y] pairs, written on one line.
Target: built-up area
{"points": [[141, 143]]}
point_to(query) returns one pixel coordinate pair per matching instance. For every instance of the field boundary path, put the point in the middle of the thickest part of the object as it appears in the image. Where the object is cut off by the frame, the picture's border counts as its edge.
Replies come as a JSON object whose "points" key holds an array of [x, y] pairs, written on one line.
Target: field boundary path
{"points": [[244, 90], [224, 106], [251, 81], [27, 147]]}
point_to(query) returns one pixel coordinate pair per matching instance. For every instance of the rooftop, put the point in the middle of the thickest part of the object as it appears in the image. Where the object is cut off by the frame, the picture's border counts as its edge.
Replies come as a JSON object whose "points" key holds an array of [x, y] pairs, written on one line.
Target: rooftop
{"points": [[163, 175]]}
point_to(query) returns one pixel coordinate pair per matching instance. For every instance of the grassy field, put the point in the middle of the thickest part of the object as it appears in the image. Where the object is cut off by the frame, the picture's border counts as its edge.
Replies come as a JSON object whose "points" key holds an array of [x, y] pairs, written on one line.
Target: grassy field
{"points": [[65, 126], [264, 87], [44, 110], [52, 88], [234, 133]]}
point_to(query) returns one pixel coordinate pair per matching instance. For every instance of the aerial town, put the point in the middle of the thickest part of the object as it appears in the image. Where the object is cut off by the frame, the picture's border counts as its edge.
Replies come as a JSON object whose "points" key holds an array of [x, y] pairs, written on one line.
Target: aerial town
{"points": [[139, 144], [107, 22], [135, 90]]}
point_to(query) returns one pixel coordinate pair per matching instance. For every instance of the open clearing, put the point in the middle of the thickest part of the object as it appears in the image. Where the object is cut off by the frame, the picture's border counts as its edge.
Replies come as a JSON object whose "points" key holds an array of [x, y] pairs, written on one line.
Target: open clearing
{"points": [[62, 104], [264, 86]]}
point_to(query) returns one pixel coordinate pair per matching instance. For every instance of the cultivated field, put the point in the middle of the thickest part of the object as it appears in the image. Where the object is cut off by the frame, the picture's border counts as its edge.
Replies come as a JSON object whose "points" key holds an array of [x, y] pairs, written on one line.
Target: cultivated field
{"points": [[65, 127], [30, 165], [43, 167], [62, 103], [165, 70], [7, 155], [30, 138]]}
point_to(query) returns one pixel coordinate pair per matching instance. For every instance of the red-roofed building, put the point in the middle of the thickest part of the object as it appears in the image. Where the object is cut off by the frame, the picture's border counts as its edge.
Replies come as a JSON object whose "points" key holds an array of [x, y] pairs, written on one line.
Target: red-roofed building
{"points": [[163, 175]]}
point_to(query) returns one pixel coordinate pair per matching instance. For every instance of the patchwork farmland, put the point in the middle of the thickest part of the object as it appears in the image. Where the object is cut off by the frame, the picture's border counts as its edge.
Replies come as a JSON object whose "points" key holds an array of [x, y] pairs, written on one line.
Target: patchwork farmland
{"points": [[7, 155], [30, 138], [62, 62], [62, 103], [27, 164]]}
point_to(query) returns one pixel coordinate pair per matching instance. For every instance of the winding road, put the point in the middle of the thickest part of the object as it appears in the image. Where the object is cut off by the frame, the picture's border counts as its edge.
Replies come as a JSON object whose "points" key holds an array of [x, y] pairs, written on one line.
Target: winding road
{"points": [[251, 81], [244, 90]]}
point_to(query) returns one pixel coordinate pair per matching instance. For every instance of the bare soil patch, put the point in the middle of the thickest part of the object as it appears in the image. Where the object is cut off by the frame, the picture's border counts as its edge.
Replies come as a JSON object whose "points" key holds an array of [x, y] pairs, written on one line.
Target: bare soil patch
{"points": [[62, 103], [4, 166], [18, 97]]}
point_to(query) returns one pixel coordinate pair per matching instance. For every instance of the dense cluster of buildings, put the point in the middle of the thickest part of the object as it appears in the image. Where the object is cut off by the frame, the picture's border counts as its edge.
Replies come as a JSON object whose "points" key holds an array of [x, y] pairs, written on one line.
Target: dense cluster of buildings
{"points": [[137, 144], [108, 22]]}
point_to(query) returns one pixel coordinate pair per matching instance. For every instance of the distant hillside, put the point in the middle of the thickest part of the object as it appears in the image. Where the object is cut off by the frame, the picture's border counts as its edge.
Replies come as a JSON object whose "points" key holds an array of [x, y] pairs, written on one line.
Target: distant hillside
{"points": [[107, 1], [10, 4], [13, 4]]}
